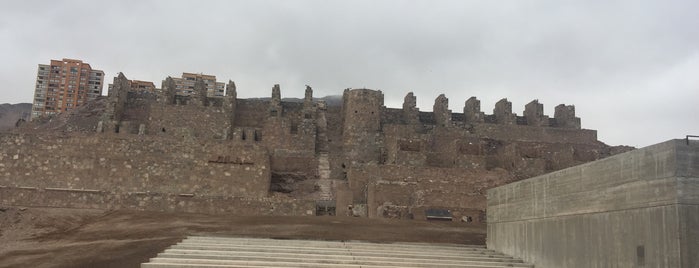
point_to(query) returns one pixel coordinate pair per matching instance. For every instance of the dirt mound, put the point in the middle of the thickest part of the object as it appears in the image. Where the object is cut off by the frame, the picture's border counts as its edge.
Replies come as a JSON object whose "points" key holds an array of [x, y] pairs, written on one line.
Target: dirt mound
{"points": [[82, 119]]}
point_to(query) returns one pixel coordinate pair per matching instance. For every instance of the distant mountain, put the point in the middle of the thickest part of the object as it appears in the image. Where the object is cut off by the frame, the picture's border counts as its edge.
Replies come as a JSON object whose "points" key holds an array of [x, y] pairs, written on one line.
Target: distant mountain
{"points": [[334, 100], [10, 113]]}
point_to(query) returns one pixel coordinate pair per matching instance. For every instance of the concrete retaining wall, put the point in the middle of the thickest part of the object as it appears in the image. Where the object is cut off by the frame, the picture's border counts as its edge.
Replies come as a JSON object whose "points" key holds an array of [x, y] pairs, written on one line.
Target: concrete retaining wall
{"points": [[637, 209]]}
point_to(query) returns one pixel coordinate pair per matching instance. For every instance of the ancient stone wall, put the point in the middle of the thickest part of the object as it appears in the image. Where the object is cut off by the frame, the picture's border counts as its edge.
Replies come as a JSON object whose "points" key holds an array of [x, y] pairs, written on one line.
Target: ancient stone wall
{"points": [[128, 164], [418, 188], [381, 161], [251, 112], [99, 199], [189, 122]]}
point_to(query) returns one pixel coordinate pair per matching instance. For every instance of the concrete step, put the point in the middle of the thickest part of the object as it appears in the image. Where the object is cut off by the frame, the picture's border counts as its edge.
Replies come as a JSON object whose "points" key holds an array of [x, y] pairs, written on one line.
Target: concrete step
{"points": [[182, 265], [368, 254], [317, 242], [300, 249], [326, 247], [347, 259], [346, 246], [328, 263], [203, 251]]}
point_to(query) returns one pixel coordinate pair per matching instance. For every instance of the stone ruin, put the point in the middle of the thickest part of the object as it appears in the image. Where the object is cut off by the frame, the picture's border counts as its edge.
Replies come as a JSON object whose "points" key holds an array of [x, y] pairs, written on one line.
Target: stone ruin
{"points": [[169, 152]]}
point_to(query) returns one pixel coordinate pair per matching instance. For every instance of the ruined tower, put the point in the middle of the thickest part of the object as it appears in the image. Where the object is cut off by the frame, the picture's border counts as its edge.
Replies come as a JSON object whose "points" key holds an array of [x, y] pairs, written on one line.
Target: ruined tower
{"points": [[472, 111], [503, 112], [275, 104], [534, 114], [200, 92], [114, 109], [229, 105], [565, 117], [166, 95], [442, 114], [308, 107], [361, 125], [410, 110]]}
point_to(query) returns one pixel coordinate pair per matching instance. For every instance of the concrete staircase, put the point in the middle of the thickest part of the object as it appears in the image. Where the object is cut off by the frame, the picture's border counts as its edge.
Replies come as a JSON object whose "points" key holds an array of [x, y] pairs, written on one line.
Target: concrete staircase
{"points": [[199, 251]]}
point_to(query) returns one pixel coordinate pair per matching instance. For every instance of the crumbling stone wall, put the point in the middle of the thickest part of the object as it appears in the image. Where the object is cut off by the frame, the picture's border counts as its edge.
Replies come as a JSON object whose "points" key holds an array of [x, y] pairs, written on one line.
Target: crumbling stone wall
{"points": [[116, 101], [380, 161], [460, 150], [188, 122], [105, 199], [419, 188], [134, 165], [251, 112]]}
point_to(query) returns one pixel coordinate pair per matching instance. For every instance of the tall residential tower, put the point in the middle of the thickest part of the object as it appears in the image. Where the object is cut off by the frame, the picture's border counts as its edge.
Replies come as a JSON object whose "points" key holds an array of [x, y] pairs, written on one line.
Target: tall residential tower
{"points": [[64, 85]]}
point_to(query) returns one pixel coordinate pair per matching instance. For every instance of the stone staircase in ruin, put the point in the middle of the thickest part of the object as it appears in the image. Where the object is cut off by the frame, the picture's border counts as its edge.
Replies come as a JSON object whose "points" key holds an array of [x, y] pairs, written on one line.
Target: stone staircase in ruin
{"points": [[324, 182], [209, 252]]}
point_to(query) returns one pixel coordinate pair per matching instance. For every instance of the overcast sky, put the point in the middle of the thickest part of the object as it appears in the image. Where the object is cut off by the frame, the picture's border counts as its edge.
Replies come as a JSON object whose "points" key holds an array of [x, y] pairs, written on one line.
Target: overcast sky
{"points": [[631, 68]]}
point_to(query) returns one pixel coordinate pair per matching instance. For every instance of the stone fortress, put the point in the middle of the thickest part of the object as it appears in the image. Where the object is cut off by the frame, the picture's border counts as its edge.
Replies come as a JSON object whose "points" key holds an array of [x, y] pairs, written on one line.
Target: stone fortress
{"points": [[170, 152]]}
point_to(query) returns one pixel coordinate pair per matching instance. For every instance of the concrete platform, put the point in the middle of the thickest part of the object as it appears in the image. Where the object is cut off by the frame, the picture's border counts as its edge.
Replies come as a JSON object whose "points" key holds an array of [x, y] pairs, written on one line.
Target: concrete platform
{"points": [[200, 251]]}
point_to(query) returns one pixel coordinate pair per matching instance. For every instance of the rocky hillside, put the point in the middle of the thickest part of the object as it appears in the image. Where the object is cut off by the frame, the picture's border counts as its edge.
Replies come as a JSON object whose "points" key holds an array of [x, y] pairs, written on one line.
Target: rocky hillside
{"points": [[10, 113]]}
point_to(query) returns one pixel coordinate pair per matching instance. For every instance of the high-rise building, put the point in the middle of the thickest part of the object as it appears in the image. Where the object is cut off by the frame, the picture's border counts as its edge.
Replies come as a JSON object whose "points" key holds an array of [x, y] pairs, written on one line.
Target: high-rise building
{"points": [[64, 85], [185, 85], [137, 86]]}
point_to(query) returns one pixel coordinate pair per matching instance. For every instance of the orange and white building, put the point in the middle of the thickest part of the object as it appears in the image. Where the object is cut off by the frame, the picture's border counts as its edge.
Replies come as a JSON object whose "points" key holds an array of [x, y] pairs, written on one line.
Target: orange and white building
{"points": [[64, 85]]}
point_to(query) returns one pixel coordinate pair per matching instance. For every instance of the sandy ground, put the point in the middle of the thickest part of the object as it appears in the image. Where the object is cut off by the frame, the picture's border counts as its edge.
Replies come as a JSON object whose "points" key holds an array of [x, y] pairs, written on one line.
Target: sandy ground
{"points": [[59, 237]]}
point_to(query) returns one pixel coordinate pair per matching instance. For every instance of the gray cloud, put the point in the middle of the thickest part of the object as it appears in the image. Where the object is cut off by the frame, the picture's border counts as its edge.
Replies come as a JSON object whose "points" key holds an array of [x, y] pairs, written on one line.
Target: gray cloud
{"points": [[628, 66]]}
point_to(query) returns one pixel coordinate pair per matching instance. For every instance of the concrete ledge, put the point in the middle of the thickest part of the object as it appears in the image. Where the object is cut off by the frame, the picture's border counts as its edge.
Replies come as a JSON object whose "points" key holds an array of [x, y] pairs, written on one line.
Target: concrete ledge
{"points": [[327, 263]]}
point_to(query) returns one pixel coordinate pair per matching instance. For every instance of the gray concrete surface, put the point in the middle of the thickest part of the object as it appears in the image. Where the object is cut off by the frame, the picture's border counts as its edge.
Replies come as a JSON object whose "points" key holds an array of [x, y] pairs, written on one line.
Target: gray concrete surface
{"points": [[248, 252], [637, 209]]}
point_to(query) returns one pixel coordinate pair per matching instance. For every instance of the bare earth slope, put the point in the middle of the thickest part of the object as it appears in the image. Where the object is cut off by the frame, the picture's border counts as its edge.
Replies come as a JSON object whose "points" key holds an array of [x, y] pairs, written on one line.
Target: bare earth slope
{"points": [[52, 237]]}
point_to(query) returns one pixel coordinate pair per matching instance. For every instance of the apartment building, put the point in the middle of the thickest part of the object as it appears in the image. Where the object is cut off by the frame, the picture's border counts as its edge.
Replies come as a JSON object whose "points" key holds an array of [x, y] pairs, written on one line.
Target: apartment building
{"points": [[185, 84], [137, 86], [64, 85]]}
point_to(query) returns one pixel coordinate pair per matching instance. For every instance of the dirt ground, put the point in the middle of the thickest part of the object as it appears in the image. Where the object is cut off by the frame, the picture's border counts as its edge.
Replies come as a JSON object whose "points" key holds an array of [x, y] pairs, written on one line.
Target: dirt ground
{"points": [[59, 237]]}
